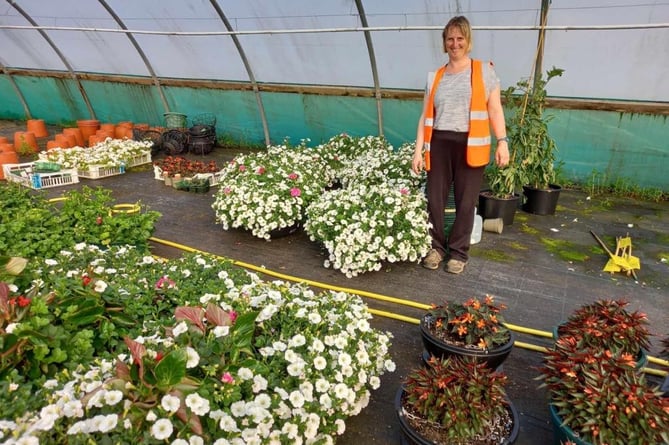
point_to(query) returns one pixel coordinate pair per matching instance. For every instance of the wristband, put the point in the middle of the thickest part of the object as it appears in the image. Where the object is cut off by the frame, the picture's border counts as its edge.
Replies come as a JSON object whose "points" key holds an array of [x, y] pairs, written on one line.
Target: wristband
{"points": [[505, 139]]}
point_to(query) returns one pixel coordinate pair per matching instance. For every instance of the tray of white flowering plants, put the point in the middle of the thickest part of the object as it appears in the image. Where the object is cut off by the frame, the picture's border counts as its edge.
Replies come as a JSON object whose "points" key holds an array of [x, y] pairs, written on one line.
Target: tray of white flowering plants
{"points": [[107, 158], [28, 175]]}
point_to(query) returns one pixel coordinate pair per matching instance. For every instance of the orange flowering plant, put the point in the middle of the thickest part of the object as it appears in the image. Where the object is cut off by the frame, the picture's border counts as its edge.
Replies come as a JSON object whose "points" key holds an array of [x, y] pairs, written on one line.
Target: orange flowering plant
{"points": [[474, 323]]}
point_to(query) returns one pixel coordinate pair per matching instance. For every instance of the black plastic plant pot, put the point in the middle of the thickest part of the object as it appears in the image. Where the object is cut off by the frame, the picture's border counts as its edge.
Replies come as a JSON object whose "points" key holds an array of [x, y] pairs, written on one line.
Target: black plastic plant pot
{"points": [[541, 201], [438, 348], [491, 207]]}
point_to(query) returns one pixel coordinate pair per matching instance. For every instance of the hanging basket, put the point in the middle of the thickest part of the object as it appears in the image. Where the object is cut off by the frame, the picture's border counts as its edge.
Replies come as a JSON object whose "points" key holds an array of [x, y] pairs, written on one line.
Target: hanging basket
{"points": [[200, 147], [203, 132], [174, 142], [202, 139], [153, 136], [175, 120], [208, 119]]}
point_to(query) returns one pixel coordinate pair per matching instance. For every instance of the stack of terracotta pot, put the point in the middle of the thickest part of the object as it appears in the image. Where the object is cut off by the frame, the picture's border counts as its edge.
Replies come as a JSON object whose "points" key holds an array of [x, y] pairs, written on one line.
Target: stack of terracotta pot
{"points": [[89, 132], [26, 142], [7, 154]]}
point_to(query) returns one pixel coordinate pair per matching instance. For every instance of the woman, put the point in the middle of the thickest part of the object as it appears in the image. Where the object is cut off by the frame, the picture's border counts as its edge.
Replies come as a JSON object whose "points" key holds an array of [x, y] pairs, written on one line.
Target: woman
{"points": [[462, 102]]}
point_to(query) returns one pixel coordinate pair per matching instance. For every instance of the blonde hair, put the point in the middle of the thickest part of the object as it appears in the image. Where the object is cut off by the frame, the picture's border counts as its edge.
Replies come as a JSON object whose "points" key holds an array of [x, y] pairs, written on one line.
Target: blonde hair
{"points": [[462, 24]]}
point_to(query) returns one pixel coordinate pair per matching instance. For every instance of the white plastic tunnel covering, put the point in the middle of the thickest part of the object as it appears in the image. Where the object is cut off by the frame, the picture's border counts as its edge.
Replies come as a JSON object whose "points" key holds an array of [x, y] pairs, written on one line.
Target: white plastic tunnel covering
{"points": [[273, 69]]}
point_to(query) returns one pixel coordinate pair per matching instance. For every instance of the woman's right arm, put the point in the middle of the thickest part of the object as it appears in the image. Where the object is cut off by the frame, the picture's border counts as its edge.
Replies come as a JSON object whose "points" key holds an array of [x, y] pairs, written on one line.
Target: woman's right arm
{"points": [[417, 163]]}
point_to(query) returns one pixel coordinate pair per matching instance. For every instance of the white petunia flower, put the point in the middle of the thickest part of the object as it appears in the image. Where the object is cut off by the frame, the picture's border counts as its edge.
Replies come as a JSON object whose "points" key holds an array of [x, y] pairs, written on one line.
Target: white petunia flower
{"points": [[179, 329], [195, 440], [297, 399], [193, 357], [162, 429], [113, 397], [100, 286], [221, 331], [170, 403], [320, 363], [198, 404]]}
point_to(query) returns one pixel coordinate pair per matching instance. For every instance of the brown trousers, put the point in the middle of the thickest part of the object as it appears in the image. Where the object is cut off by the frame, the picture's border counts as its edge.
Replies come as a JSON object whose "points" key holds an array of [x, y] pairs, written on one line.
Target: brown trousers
{"points": [[448, 150]]}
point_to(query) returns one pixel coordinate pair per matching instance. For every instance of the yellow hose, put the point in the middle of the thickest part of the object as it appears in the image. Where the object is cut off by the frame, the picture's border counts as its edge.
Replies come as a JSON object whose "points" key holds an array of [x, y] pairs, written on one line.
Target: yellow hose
{"points": [[400, 301]]}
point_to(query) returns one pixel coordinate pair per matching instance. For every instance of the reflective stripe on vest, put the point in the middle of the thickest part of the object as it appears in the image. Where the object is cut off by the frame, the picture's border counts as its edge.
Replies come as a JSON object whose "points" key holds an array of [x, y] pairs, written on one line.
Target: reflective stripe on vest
{"points": [[478, 142], [428, 115]]}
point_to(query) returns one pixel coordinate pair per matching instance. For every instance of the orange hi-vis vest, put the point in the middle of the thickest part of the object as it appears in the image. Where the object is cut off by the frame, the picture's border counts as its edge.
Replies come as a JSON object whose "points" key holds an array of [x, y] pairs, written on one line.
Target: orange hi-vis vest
{"points": [[478, 141]]}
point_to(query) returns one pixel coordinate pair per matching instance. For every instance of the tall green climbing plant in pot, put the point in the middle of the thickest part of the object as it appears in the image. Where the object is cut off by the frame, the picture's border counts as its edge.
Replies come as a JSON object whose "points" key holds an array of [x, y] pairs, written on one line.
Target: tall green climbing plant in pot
{"points": [[534, 148]]}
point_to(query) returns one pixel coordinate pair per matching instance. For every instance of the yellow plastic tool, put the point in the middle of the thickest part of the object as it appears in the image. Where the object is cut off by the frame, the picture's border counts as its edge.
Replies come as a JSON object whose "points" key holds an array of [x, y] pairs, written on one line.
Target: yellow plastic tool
{"points": [[622, 260]]}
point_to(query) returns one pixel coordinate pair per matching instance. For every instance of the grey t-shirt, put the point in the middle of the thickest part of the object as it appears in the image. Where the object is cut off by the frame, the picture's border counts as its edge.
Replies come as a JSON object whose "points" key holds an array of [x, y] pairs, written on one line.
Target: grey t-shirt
{"points": [[453, 97]]}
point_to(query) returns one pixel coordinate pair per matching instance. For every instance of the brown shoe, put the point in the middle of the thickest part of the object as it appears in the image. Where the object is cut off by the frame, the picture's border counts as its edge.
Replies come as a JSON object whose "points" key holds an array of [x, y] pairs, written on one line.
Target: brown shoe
{"points": [[432, 259], [455, 266]]}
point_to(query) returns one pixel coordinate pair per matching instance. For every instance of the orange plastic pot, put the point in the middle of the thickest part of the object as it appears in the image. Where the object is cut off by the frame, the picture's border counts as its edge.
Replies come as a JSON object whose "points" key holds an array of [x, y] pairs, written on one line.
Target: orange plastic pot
{"points": [[25, 142], [3, 140], [94, 139], [7, 147], [62, 140], [7, 157], [104, 134], [142, 126], [78, 136], [109, 128], [50, 145], [88, 128], [121, 130], [38, 127], [72, 139]]}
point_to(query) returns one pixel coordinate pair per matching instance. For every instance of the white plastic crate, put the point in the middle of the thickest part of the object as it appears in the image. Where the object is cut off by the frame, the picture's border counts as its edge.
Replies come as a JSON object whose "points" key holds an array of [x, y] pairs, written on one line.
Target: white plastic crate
{"points": [[214, 178], [158, 173], [100, 171], [140, 160], [25, 175]]}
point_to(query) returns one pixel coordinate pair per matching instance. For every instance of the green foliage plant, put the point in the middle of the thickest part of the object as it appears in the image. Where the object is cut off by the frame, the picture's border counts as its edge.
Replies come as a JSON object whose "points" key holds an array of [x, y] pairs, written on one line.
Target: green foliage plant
{"points": [[32, 226], [35, 339], [527, 129]]}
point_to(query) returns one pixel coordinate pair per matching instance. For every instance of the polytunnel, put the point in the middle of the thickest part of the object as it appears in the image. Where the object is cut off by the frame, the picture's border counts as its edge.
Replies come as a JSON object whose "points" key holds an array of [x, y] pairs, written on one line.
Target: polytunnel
{"points": [[272, 71]]}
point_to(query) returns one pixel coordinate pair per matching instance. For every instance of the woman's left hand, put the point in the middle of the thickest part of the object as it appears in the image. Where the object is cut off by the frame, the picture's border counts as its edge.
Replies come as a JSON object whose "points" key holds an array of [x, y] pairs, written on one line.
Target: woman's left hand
{"points": [[502, 154]]}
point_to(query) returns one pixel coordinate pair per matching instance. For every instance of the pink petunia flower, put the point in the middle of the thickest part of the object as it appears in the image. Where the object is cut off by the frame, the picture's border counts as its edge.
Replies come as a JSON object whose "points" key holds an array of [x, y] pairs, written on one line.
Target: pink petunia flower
{"points": [[242, 168], [260, 170], [295, 192], [233, 316], [227, 190], [165, 282], [404, 191], [293, 176], [227, 378]]}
